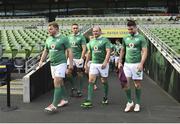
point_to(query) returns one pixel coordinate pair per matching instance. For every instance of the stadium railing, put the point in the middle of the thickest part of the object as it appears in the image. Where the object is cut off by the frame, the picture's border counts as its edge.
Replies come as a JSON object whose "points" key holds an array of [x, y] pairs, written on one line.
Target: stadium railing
{"points": [[169, 53]]}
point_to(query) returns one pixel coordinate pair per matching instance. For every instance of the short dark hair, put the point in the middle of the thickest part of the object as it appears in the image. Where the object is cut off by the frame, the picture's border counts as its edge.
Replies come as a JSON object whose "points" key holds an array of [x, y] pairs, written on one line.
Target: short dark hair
{"points": [[75, 24], [54, 24], [131, 23]]}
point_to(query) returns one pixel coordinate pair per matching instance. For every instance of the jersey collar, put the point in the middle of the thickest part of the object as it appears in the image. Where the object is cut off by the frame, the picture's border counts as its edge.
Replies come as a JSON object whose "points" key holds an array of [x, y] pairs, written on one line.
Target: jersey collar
{"points": [[76, 34], [137, 33], [98, 38], [57, 35]]}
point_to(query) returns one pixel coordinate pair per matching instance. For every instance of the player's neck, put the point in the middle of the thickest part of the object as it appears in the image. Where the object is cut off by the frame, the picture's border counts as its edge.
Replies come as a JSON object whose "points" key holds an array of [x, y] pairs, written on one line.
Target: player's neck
{"points": [[98, 37], [76, 33], [56, 35]]}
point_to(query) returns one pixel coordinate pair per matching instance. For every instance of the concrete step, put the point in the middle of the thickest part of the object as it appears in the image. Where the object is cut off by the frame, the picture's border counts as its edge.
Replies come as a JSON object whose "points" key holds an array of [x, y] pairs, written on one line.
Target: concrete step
{"points": [[12, 92], [16, 87], [17, 82]]}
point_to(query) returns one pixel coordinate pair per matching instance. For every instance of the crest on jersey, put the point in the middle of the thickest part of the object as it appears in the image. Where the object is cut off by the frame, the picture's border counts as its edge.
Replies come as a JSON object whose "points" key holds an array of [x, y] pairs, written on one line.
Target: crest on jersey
{"points": [[95, 48], [131, 45], [73, 43], [53, 46]]}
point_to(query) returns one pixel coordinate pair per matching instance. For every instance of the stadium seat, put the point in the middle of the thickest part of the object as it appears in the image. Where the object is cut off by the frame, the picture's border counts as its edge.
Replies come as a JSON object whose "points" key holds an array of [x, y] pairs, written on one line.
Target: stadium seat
{"points": [[19, 63]]}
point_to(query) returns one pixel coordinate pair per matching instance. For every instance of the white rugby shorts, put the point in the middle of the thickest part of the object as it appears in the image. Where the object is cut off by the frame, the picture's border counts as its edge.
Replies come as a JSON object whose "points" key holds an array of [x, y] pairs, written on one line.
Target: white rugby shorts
{"points": [[96, 69], [59, 70], [130, 70]]}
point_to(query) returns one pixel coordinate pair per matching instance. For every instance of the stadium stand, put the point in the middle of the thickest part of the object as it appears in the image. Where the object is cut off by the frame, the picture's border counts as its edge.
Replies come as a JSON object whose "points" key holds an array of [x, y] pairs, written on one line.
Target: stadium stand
{"points": [[170, 36]]}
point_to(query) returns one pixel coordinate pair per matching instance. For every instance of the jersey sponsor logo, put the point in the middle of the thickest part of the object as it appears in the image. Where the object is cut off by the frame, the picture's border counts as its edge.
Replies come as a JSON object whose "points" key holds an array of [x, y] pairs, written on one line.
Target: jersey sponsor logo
{"points": [[53, 46], [96, 50], [73, 43]]}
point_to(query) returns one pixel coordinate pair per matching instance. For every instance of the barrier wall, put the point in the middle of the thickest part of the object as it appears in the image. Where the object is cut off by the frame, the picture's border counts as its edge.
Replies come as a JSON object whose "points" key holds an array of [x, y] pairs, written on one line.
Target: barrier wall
{"points": [[37, 83], [162, 72]]}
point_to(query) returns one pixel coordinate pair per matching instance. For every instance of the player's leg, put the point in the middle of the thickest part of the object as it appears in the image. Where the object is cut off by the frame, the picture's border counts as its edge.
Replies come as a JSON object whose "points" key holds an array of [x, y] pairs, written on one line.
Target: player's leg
{"points": [[116, 63], [92, 77], [60, 72], [104, 75], [58, 87], [79, 64], [95, 83], [138, 95], [137, 77], [71, 78], [127, 88], [80, 81]]}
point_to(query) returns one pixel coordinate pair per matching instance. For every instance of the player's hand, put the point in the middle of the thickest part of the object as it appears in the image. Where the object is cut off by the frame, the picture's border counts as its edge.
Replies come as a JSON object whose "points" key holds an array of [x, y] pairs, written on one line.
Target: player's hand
{"points": [[140, 67], [40, 64], [81, 61], [120, 65], [86, 69], [70, 67], [104, 65], [69, 70]]}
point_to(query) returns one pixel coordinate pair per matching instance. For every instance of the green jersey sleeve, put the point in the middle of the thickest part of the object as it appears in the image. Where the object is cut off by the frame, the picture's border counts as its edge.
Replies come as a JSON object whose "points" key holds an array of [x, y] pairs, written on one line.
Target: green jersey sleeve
{"points": [[83, 41], [123, 44], [66, 43], [46, 45], [143, 42], [108, 44]]}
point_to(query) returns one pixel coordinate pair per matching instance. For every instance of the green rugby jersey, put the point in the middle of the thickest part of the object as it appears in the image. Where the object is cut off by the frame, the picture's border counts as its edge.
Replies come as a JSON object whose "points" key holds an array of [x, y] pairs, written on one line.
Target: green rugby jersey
{"points": [[117, 49], [76, 42], [133, 46], [98, 48], [56, 47]]}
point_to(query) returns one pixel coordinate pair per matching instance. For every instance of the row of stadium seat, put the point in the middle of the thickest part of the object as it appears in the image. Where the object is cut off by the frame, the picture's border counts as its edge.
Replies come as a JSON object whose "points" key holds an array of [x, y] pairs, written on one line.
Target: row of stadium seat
{"points": [[170, 36], [106, 20], [23, 43], [23, 22]]}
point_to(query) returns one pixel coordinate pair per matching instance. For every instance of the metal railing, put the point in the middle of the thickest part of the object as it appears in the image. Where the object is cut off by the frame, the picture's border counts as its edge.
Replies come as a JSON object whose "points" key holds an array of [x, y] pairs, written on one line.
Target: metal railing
{"points": [[32, 63], [169, 53]]}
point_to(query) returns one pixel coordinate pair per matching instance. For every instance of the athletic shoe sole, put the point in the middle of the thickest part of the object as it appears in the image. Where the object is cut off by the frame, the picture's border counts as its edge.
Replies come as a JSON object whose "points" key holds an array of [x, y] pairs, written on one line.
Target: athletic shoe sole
{"points": [[130, 110], [50, 112], [85, 106], [63, 105], [105, 103]]}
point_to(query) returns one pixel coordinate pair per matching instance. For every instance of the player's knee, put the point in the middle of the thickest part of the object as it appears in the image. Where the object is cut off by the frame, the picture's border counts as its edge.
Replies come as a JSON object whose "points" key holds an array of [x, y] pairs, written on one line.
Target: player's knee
{"points": [[137, 85], [126, 86], [58, 81], [103, 80], [92, 80], [80, 72], [69, 75]]}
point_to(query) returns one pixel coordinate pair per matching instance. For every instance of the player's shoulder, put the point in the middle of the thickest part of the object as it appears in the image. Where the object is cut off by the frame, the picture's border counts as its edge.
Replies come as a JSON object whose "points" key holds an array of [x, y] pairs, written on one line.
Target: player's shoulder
{"points": [[141, 36], [63, 37], [80, 34], [50, 38], [126, 36], [105, 39], [70, 35]]}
